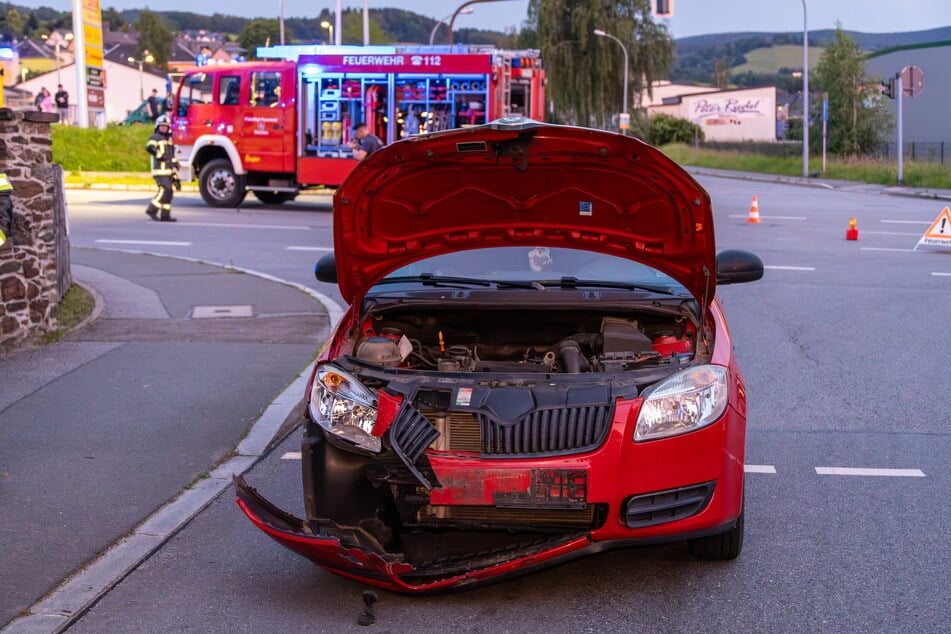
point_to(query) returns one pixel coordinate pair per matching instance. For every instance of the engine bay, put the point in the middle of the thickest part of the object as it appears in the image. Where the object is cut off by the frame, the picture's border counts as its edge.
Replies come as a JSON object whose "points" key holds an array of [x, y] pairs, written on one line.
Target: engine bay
{"points": [[525, 341]]}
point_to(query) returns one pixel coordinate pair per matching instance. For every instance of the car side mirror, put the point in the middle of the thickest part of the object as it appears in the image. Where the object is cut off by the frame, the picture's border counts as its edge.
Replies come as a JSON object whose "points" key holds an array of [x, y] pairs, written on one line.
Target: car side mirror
{"points": [[326, 269], [736, 267]]}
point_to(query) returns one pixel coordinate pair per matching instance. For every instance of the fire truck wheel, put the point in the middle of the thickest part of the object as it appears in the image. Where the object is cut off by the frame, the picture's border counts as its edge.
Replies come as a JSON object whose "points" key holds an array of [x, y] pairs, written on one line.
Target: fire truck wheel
{"points": [[274, 198], [219, 185]]}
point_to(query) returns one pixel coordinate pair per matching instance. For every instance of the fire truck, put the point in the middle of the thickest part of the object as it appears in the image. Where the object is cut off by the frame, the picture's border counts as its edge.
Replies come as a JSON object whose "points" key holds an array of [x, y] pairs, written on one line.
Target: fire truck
{"points": [[276, 127]]}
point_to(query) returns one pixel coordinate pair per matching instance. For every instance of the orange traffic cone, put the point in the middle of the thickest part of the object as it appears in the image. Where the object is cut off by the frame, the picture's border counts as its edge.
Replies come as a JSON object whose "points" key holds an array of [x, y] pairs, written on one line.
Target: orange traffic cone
{"points": [[754, 211], [852, 233]]}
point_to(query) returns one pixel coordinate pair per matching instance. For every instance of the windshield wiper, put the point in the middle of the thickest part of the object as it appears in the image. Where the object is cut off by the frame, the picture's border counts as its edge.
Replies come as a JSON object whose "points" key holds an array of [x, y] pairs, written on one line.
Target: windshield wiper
{"points": [[428, 279], [574, 282]]}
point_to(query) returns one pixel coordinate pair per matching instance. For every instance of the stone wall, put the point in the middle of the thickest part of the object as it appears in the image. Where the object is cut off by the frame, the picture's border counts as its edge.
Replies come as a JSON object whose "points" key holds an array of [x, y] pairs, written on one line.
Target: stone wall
{"points": [[34, 269]]}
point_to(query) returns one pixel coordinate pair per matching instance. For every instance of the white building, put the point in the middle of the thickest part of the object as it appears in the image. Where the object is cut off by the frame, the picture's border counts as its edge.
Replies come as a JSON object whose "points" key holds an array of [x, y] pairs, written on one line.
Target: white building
{"points": [[125, 88], [745, 114]]}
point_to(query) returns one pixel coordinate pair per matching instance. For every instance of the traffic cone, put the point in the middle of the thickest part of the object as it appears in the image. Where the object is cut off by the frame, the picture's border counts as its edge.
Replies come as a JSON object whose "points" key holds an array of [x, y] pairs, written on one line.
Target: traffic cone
{"points": [[852, 233], [754, 211]]}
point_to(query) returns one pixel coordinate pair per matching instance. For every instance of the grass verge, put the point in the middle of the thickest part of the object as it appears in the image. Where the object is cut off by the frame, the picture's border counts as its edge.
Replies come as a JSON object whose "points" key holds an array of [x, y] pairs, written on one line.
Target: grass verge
{"points": [[76, 305], [863, 170]]}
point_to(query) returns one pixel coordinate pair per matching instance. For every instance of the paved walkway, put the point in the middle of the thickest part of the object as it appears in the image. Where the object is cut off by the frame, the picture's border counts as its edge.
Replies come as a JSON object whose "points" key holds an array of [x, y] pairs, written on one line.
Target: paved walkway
{"points": [[102, 428]]}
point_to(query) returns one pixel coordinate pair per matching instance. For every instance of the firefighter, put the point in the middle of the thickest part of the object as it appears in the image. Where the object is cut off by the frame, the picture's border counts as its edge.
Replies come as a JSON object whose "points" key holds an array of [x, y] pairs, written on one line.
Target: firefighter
{"points": [[164, 167]]}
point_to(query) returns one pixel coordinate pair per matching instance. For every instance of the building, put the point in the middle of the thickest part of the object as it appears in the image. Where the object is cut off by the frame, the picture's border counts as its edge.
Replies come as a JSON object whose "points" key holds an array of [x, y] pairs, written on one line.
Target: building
{"points": [[745, 114], [926, 122]]}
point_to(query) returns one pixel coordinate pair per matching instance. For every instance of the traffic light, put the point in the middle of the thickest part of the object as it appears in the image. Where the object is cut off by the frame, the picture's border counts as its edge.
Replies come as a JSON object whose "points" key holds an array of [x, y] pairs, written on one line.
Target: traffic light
{"points": [[889, 89], [662, 8]]}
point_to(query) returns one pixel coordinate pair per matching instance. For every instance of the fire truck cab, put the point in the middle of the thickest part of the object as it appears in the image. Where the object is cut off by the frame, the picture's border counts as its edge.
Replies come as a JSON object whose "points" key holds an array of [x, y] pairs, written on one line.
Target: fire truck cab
{"points": [[276, 127]]}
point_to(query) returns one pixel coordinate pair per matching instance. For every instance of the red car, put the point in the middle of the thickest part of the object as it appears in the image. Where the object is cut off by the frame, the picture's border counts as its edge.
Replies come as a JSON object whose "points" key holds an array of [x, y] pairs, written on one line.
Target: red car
{"points": [[533, 367]]}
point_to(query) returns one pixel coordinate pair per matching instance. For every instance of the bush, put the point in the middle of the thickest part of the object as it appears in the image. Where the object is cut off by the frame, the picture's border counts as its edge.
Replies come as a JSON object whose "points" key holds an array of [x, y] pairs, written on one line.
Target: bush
{"points": [[663, 129]]}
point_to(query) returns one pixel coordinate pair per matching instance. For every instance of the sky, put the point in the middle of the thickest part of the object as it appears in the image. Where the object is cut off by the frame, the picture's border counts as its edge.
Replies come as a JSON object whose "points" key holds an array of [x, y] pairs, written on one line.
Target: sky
{"points": [[691, 17]]}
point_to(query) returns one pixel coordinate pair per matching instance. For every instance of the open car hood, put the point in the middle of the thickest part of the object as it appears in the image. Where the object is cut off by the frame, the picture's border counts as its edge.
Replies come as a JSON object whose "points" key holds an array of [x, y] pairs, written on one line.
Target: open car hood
{"points": [[517, 182]]}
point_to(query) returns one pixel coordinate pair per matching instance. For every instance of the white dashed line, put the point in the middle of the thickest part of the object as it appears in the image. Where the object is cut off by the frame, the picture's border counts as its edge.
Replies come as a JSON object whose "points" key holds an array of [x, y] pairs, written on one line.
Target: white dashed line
{"points": [[857, 471], [771, 217], [790, 268], [308, 249], [884, 249], [291, 455], [233, 225], [888, 233], [160, 243], [940, 274], [906, 222], [759, 468]]}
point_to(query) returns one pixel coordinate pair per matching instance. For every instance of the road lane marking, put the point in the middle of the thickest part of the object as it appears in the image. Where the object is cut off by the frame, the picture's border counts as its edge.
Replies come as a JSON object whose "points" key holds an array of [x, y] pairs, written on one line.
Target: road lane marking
{"points": [[884, 249], [759, 468], [940, 274], [160, 243], [291, 455], [771, 217], [308, 248], [235, 225], [888, 233], [857, 471], [907, 222], [790, 268]]}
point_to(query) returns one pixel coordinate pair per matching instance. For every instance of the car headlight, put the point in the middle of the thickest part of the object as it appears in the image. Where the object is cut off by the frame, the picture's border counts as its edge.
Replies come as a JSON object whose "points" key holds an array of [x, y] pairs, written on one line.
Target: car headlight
{"points": [[344, 407], [684, 402]]}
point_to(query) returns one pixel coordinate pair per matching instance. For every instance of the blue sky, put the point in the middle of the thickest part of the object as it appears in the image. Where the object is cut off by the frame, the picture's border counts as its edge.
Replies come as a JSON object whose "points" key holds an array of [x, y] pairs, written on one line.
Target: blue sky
{"points": [[691, 17]]}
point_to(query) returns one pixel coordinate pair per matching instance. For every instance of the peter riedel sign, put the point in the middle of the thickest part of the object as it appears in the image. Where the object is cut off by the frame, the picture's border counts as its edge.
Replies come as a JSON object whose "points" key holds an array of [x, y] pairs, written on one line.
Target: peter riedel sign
{"points": [[705, 108]]}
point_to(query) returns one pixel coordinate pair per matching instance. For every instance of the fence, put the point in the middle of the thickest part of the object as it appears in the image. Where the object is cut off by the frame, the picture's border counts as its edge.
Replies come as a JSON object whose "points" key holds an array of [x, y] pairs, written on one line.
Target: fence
{"points": [[925, 151]]}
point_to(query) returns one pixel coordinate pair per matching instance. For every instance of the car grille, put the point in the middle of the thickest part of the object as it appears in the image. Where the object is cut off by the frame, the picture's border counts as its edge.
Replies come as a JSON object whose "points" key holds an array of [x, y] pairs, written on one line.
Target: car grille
{"points": [[547, 431]]}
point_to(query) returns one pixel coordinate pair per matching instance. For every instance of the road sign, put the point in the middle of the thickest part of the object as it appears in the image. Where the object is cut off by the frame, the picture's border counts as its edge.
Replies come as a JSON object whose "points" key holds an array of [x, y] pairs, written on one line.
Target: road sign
{"points": [[939, 233], [624, 121], [912, 81]]}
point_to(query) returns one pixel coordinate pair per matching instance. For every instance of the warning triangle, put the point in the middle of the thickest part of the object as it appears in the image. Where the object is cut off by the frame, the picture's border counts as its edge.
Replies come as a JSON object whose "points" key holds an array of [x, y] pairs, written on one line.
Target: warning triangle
{"points": [[939, 233]]}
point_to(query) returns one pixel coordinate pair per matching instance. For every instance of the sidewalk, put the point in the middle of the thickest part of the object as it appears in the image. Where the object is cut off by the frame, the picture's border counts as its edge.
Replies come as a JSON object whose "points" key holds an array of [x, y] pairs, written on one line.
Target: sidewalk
{"points": [[121, 416]]}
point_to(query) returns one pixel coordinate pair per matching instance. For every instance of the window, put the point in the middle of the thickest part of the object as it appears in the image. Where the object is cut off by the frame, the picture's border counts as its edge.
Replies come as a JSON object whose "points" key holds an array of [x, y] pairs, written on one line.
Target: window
{"points": [[229, 90], [265, 89]]}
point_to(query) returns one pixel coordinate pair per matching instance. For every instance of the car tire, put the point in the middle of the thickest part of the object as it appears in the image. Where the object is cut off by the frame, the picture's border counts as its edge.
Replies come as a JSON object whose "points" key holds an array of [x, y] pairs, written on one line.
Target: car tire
{"points": [[719, 547], [274, 198], [219, 185]]}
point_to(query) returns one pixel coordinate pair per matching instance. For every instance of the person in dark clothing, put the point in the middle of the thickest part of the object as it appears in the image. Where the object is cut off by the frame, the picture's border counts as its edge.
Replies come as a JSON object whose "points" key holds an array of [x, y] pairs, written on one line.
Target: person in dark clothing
{"points": [[152, 106], [364, 144], [164, 166], [62, 104]]}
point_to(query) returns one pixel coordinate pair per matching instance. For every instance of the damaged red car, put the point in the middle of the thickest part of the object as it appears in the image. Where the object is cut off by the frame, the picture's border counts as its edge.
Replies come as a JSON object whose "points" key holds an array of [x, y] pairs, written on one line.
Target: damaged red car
{"points": [[533, 367]]}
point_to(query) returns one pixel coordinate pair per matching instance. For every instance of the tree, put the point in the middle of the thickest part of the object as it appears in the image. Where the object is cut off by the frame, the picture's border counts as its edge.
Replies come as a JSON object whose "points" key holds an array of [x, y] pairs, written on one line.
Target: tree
{"points": [[585, 71], [721, 73], [15, 24], [859, 116], [112, 19], [352, 25], [154, 37], [262, 32]]}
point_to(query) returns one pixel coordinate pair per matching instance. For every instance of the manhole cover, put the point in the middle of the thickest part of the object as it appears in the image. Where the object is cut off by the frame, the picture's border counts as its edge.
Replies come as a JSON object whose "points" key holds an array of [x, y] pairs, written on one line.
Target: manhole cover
{"points": [[206, 312]]}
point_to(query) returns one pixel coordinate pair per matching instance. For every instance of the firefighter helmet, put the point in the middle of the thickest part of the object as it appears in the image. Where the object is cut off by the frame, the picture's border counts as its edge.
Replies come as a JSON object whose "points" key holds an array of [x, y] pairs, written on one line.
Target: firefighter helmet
{"points": [[162, 120]]}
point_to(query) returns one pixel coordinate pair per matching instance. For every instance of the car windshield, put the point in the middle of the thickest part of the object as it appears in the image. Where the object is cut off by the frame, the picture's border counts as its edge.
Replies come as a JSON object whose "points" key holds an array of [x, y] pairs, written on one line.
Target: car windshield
{"points": [[531, 267]]}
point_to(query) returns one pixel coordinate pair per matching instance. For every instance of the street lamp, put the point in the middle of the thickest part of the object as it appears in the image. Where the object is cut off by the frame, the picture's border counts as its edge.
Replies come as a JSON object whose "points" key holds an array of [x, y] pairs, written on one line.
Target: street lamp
{"points": [[601, 33], [68, 37], [148, 59], [465, 11], [330, 28], [462, 9], [805, 94], [58, 45]]}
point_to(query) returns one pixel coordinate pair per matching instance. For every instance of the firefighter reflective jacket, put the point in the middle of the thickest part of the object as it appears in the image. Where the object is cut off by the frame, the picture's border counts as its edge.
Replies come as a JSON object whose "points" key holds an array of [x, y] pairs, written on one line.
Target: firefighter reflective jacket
{"points": [[163, 154]]}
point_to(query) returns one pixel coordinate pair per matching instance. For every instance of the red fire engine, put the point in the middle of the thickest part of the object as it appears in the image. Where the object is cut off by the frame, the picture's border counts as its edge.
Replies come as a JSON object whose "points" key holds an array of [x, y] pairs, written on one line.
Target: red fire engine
{"points": [[276, 127]]}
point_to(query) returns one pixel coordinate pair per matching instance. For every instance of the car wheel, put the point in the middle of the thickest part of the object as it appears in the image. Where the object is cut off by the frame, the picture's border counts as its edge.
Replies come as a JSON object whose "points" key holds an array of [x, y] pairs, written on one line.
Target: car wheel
{"points": [[219, 185], [720, 547], [274, 198]]}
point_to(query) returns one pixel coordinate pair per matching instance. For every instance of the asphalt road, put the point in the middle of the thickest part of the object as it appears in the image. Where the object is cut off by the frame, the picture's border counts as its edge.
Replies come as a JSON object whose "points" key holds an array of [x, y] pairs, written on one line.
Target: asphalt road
{"points": [[845, 347]]}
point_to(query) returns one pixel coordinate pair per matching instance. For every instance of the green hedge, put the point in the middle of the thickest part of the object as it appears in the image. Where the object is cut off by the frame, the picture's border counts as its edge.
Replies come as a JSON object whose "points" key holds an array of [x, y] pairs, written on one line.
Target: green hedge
{"points": [[113, 149]]}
